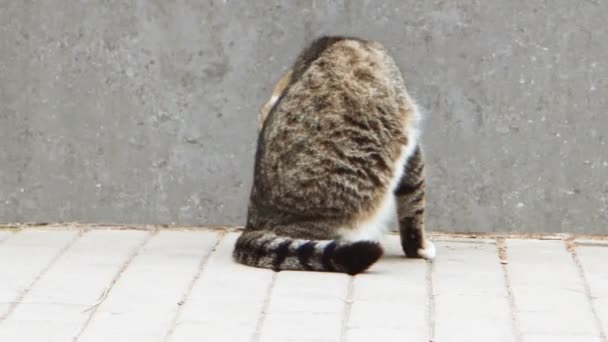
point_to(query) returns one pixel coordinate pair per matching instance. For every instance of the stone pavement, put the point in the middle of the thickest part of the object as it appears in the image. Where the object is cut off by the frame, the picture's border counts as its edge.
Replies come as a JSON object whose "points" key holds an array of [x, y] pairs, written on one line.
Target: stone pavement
{"points": [[60, 284]]}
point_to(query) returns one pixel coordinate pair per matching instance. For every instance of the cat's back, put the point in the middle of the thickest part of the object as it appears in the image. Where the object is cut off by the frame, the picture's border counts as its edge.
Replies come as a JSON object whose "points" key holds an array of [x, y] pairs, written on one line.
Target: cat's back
{"points": [[339, 79], [339, 126]]}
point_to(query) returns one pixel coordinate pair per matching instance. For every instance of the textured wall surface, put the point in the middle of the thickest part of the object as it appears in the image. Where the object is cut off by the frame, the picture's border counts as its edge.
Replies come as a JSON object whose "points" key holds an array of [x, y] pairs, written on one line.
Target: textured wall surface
{"points": [[144, 111]]}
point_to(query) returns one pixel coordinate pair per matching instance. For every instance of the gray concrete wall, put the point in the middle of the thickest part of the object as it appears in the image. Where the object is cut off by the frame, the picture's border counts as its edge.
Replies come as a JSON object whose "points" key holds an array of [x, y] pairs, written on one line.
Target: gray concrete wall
{"points": [[144, 111]]}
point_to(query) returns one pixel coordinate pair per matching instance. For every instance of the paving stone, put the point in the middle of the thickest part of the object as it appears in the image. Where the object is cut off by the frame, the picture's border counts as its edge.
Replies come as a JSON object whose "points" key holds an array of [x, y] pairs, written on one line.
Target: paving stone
{"points": [[391, 299], [56, 307], [226, 301], [561, 338], [5, 234], [549, 294], [145, 299], [594, 262], [471, 299], [306, 306], [22, 259]]}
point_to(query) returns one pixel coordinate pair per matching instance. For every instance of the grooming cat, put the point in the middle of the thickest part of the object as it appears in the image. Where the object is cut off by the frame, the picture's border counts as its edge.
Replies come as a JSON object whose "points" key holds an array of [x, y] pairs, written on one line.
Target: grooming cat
{"points": [[337, 149]]}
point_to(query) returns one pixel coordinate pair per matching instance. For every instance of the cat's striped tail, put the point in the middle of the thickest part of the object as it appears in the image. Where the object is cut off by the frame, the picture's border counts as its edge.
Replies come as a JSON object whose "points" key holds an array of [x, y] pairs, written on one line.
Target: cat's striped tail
{"points": [[267, 250]]}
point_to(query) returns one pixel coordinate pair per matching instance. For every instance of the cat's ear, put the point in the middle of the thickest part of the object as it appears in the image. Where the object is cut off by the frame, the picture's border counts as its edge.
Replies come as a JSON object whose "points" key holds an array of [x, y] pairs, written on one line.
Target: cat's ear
{"points": [[276, 93]]}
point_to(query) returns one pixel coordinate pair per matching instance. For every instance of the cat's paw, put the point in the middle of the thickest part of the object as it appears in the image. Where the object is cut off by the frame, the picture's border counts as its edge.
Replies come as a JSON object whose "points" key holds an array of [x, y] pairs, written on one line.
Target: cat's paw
{"points": [[428, 252]]}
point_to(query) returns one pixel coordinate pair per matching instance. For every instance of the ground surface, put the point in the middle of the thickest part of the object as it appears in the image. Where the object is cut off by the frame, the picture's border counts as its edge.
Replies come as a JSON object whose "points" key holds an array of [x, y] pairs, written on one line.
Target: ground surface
{"points": [[59, 284]]}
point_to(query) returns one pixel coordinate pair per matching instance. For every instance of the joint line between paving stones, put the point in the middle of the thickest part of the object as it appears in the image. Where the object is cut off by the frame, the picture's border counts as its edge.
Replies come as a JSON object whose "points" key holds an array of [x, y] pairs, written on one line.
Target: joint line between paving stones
{"points": [[199, 272], [501, 250], [570, 247], [430, 269], [45, 269], [104, 295], [348, 303], [260, 323]]}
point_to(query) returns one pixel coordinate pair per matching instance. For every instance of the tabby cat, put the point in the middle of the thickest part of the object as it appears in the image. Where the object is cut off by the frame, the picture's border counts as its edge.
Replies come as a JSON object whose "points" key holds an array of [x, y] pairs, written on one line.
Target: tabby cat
{"points": [[337, 149]]}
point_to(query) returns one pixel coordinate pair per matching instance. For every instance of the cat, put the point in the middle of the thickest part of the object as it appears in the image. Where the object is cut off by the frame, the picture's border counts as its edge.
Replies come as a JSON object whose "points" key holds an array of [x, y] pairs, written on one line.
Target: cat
{"points": [[337, 156]]}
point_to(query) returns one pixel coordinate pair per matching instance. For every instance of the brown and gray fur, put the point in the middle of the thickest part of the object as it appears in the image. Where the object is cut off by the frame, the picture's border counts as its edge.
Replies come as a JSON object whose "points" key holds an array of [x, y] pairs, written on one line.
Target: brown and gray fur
{"points": [[337, 149]]}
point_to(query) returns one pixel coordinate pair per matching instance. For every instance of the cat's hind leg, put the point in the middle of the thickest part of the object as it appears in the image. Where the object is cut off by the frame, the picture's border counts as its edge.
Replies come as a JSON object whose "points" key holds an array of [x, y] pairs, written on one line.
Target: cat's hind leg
{"points": [[410, 209]]}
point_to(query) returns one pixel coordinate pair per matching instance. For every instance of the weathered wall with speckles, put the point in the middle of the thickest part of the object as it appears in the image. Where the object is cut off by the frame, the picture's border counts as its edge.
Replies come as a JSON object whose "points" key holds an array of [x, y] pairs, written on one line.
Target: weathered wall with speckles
{"points": [[144, 111]]}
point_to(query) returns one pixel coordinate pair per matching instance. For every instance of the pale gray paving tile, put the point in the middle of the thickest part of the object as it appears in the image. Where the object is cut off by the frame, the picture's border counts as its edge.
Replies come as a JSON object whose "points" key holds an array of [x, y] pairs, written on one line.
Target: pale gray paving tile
{"points": [[561, 338], [471, 299], [549, 294], [594, 261], [23, 257], [5, 234], [226, 301], [390, 301], [306, 306], [55, 308], [143, 302]]}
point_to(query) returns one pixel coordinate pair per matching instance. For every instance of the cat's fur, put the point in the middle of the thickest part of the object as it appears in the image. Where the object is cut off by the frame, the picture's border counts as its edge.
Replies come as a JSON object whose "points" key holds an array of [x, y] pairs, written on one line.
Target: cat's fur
{"points": [[338, 146]]}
